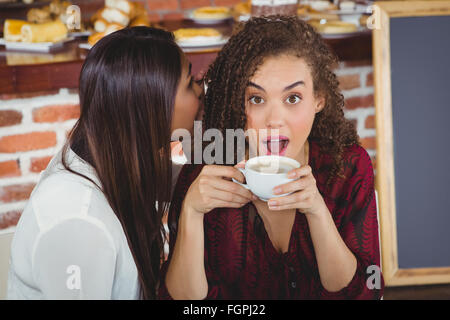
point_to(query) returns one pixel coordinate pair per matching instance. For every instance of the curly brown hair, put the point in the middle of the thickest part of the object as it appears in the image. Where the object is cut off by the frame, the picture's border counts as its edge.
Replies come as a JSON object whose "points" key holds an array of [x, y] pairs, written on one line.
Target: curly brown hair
{"points": [[264, 37]]}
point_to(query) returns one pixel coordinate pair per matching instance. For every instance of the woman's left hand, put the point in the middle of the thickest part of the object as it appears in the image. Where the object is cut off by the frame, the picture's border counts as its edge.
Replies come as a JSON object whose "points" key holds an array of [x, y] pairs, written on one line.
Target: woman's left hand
{"points": [[304, 193]]}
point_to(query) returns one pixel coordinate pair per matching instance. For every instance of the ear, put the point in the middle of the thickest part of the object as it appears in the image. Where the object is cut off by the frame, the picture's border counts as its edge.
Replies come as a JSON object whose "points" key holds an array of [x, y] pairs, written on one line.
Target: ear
{"points": [[320, 104]]}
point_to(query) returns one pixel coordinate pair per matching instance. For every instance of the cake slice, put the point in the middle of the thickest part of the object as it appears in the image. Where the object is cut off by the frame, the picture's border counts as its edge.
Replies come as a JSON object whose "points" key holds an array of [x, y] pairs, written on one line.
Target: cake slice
{"points": [[12, 29]]}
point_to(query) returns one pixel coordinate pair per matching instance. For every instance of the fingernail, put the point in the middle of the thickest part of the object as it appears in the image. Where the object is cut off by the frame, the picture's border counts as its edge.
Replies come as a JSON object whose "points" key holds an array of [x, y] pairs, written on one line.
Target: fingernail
{"points": [[277, 190], [291, 175], [254, 197], [272, 203]]}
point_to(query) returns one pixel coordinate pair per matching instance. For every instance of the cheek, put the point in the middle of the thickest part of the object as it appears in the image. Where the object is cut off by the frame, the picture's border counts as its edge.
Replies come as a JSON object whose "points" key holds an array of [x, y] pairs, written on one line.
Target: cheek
{"points": [[255, 119], [185, 112], [301, 124]]}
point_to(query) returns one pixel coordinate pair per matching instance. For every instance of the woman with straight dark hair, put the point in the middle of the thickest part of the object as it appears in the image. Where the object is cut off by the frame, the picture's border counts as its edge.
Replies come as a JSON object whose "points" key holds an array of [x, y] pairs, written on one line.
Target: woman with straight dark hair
{"points": [[92, 228]]}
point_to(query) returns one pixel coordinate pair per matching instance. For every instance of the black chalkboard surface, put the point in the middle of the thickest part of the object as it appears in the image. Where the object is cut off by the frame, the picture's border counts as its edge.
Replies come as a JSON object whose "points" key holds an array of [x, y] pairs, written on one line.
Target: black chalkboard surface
{"points": [[420, 80]]}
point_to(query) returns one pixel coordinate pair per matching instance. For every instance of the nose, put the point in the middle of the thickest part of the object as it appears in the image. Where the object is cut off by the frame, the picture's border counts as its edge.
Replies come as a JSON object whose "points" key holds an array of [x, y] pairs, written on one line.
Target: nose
{"points": [[274, 117]]}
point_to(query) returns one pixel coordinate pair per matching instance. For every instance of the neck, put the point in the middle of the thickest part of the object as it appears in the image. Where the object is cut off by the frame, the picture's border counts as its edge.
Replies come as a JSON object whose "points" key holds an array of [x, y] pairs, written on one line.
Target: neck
{"points": [[303, 155]]}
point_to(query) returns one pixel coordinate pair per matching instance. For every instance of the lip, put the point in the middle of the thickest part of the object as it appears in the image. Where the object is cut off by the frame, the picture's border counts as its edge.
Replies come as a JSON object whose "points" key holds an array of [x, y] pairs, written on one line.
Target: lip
{"points": [[270, 139]]}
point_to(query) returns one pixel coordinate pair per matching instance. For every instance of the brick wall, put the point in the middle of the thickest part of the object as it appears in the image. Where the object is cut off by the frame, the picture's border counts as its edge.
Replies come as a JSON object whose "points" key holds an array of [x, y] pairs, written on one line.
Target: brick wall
{"points": [[33, 128]]}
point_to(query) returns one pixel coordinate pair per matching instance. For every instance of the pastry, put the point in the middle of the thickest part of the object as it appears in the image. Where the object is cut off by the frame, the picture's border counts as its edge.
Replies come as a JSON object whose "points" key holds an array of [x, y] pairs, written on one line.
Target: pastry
{"points": [[110, 28], [211, 13], [57, 7], [332, 27], [196, 34], [100, 25], [44, 32], [243, 8], [115, 15], [37, 15], [141, 20], [12, 30], [123, 5]]}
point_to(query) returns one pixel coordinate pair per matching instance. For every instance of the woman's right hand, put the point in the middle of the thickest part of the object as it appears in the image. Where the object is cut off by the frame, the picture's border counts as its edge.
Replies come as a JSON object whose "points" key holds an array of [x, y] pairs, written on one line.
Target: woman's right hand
{"points": [[213, 188]]}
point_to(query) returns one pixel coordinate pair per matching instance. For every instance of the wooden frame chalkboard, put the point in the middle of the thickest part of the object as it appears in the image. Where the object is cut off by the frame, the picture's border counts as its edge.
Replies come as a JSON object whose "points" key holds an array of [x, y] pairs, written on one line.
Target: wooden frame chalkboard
{"points": [[383, 16]]}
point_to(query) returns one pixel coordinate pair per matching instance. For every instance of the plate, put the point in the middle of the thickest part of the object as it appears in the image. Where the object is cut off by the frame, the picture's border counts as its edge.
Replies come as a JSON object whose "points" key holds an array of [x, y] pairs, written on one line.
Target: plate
{"points": [[80, 34], [359, 9], [35, 47], [86, 46], [203, 42], [190, 15]]}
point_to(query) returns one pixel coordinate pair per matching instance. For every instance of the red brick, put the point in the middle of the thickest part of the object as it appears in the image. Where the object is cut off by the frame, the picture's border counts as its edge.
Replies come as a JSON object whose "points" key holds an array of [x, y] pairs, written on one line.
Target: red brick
{"points": [[349, 82], [189, 4], [9, 169], [154, 5], [56, 113], [227, 3], [16, 192], [369, 143], [359, 102], [9, 219], [369, 80], [154, 17], [9, 96], [39, 164], [27, 142], [10, 118], [173, 16], [370, 122]]}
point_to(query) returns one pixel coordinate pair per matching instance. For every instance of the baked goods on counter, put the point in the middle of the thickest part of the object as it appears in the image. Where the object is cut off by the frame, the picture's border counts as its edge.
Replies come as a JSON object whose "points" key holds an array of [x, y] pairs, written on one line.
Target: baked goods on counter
{"points": [[242, 11], [44, 32], [55, 10], [197, 34], [212, 13], [110, 28], [308, 12], [22, 31], [116, 15], [12, 29], [333, 27]]}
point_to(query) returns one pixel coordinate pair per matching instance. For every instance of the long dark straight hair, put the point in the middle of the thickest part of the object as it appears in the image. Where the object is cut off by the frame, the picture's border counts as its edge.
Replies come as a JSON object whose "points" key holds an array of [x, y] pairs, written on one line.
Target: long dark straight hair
{"points": [[127, 88]]}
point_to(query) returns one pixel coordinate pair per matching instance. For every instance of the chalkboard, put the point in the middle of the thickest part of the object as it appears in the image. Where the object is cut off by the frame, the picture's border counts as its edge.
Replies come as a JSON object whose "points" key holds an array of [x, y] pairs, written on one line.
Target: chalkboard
{"points": [[420, 77], [412, 106]]}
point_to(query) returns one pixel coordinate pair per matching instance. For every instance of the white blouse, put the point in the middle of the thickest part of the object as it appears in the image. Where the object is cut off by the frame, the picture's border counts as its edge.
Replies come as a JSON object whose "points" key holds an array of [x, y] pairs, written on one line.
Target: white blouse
{"points": [[68, 243]]}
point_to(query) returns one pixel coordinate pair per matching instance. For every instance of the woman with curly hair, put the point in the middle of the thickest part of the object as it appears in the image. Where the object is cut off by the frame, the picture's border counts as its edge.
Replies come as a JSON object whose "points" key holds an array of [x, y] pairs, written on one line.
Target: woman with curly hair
{"points": [[318, 242]]}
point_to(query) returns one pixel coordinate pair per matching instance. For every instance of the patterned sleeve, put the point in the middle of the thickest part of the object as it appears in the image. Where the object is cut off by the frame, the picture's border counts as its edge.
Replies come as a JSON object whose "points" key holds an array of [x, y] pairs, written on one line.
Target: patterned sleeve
{"points": [[357, 224]]}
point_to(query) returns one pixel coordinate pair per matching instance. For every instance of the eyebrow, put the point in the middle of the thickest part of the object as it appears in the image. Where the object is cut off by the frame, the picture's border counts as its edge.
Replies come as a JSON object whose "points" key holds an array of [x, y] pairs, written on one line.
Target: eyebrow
{"points": [[289, 87]]}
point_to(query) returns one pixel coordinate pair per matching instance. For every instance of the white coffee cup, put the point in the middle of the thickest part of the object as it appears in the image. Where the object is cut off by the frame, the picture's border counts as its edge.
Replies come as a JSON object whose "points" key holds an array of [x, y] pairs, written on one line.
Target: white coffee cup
{"points": [[264, 173]]}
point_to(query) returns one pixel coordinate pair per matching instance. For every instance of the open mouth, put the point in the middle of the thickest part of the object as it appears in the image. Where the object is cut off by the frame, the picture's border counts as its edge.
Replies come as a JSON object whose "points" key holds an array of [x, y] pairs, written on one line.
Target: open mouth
{"points": [[276, 145]]}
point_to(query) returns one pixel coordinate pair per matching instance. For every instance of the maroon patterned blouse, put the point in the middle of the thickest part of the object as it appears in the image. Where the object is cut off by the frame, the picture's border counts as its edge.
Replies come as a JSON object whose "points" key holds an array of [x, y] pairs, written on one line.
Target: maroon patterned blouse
{"points": [[241, 262]]}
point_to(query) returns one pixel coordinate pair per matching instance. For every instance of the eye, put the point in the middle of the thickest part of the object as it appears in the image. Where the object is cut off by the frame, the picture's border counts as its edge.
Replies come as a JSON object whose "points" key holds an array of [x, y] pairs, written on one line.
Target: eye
{"points": [[256, 100], [293, 99]]}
